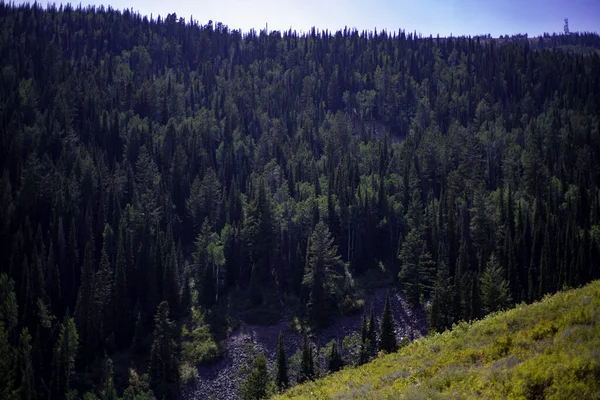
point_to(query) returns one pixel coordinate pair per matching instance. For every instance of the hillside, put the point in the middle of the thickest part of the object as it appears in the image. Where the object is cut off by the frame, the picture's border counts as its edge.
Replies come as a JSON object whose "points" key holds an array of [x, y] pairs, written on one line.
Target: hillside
{"points": [[549, 349]]}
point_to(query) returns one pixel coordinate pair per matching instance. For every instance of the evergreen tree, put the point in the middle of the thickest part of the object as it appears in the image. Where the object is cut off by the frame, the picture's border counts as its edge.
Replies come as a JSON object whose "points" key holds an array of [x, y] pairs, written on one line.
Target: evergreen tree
{"points": [[164, 368], [281, 380], [84, 311], [108, 390], [258, 384], [495, 293], [323, 274], [387, 333], [26, 386], [440, 317], [138, 335], [372, 335], [307, 365], [7, 372], [334, 358], [103, 298], [409, 256], [121, 305], [9, 310], [65, 351]]}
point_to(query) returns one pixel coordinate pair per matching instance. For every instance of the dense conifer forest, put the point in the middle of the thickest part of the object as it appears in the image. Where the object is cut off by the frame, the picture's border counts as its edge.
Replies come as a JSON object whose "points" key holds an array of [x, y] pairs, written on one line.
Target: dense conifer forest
{"points": [[161, 179]]}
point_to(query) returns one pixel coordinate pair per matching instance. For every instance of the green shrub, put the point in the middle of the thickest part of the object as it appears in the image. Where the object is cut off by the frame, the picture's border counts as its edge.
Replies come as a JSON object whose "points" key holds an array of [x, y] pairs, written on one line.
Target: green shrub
{"points": [[198, 345]]}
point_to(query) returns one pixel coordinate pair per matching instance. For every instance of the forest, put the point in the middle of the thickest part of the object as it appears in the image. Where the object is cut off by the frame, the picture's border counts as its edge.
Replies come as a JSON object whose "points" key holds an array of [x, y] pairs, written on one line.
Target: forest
{"points": [[162, 180]]}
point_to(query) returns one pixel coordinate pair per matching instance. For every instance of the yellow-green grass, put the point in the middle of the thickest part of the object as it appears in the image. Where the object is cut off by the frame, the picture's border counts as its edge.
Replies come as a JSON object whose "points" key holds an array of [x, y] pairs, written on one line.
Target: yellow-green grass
{"points": [[549, 349]]}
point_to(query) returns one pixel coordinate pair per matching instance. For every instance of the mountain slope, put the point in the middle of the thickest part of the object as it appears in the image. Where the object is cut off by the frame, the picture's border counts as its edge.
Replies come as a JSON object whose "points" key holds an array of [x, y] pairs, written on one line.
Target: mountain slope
{"points": [[549, 349]]}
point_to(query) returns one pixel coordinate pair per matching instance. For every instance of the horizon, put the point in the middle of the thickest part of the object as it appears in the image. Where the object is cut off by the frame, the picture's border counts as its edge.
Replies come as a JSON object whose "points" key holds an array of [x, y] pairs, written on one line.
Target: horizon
{"points": [[453, 18]]}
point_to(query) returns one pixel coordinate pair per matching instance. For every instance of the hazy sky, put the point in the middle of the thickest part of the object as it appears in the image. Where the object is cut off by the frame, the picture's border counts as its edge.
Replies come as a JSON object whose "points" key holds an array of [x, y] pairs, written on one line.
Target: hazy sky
{"points": [[457, 17]]}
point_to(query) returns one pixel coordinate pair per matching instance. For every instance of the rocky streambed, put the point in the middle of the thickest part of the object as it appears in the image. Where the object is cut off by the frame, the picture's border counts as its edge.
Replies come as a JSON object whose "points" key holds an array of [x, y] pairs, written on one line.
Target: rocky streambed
{"points": [[219, 381]]}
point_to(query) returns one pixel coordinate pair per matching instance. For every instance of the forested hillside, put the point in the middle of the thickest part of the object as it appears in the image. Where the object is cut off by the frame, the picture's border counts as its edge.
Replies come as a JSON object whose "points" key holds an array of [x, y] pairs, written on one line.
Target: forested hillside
{"points": [[158, 171]]}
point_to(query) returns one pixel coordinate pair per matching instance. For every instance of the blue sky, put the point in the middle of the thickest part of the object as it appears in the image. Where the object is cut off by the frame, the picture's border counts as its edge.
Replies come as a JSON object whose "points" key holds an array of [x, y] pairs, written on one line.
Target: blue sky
{"points": [[457, 17]]}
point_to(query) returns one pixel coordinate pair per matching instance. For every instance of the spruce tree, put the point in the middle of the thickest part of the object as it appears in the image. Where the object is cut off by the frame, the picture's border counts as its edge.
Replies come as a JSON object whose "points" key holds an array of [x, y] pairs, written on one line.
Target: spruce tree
{"points": [[84, 310], [334, 358], [7, 372], [495, 293], [387, 334], [25, 368], [65, 351], [410, 255], [164, 368], [440, 317], [258, 385], [307, 366], [372, 335], [322, 275], [108, 390], [138, 335], [282, 379], [121, 302]]}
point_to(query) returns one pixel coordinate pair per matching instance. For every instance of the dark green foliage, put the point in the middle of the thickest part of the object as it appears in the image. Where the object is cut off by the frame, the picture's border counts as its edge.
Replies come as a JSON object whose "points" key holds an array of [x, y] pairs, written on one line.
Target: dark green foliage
{"points": [[334, 358], [146, 160], [7, 372], [440, 311], [164, 367], [258, 384], [495, 294], [387, 332], [139, 335], [371, 342], [65, 351], [307, 364], [25, 367], [107, 390], [281, 380], [323, 275]]}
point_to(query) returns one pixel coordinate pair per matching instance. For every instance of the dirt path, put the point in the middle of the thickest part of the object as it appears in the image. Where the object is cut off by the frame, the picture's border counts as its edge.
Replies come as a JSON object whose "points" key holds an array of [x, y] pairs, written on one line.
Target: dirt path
{"points": [[219, 379]]}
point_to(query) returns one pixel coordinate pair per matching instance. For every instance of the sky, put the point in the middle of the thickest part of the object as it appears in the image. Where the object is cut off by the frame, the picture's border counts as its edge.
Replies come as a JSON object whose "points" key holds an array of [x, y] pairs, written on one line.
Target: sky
{"points": [[443, 17]]}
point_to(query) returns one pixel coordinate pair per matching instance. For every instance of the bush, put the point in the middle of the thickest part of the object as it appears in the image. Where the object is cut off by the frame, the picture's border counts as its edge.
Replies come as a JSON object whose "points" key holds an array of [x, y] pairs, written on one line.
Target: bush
{"points": [[198, 346]]}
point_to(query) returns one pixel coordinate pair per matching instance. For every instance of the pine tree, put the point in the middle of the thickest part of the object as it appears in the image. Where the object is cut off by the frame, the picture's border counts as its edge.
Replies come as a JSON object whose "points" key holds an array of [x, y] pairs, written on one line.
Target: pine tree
{"points": [[409, 256], [121, 305], [103, 297], [281, 380], [258, 384], [84, 310], [26, 387], [307, 366], [364, 340], [495, 293], [8, 303], [322, 275], [440, 317], [387, 334], [108, 390], [164, 369], [65, 351], [7, 372], [372, 335], [334, 358], [138, 335]]}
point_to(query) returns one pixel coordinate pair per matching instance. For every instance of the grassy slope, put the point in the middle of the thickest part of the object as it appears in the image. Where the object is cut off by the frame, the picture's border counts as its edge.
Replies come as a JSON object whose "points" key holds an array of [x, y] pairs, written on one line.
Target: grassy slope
{"points": [[549, 349]]}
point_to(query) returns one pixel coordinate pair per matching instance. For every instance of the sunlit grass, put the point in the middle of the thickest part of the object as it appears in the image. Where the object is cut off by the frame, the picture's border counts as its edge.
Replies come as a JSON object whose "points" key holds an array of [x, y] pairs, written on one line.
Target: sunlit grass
{"points": [[550, 349]]}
